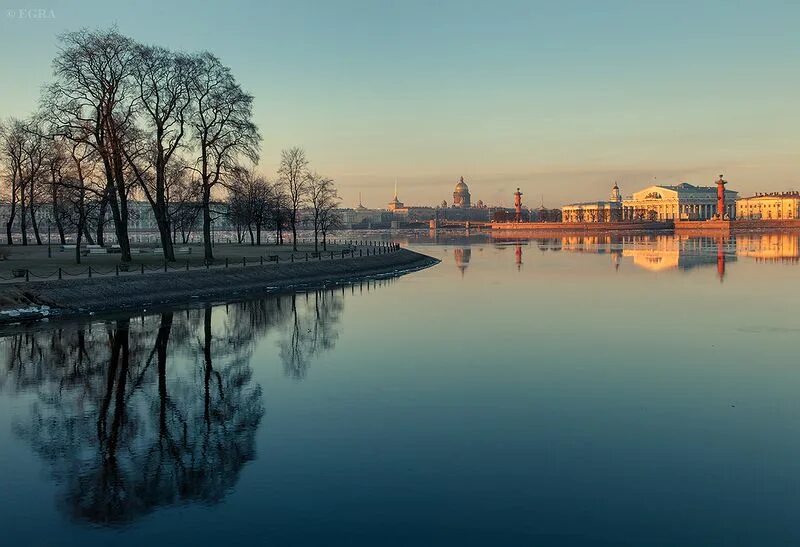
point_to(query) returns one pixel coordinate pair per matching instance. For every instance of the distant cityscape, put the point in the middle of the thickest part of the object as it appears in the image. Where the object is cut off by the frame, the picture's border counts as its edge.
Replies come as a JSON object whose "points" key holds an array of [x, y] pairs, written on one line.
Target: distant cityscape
{"points": [[656, 202]]}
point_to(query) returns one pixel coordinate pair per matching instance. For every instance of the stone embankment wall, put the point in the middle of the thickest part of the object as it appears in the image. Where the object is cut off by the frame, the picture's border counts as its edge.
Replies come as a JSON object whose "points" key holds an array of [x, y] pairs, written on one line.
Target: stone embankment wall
{"points": [[580, 226], [736, 225], [83, 296]]}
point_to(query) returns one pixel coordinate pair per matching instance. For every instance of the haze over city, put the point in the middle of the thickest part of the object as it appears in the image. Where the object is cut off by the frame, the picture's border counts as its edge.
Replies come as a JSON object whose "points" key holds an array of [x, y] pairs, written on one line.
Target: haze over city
{"points": [[559, 99]]}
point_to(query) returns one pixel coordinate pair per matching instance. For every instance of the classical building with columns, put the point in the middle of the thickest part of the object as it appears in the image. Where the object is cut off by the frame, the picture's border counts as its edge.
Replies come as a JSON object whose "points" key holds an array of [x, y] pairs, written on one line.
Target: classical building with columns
{"points": [[680, 202], [595, 211]]}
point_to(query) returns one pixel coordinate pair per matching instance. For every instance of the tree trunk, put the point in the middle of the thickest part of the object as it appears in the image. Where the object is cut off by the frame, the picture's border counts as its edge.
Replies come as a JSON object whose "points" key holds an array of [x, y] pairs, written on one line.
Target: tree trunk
{"points": [[78, 239], [208, 251], [32, 207], [12, 213], [120, 227], [119, 205], [87, 234], [293, 222], [101, 219], [35, 226], [54, 202], [23, 221], [166, 239]]}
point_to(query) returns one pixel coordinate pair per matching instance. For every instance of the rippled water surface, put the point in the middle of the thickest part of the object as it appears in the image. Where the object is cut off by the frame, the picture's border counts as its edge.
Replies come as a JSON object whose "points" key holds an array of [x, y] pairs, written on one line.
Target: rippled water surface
{"points": [[545, 391]]}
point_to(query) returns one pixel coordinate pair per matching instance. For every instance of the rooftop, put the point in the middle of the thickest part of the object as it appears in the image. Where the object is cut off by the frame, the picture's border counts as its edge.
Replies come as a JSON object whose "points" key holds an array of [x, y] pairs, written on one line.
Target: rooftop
{"points": [[769, 195]]}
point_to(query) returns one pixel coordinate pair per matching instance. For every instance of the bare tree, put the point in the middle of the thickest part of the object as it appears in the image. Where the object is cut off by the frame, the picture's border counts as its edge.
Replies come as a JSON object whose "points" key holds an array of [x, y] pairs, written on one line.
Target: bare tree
{"points": [[278, 212], [57, 161], [12, 135], [161, 80], [223, 130], [183, 200], [36, 151], [249, 200], [293, 177], [92, 101], [322, 197], [83, 189], [24, 153], [330, 217]]}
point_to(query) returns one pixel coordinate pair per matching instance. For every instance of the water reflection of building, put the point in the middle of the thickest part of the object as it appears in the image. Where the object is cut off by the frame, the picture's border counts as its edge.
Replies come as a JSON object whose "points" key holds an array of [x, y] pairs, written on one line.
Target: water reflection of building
{"points": [[656, 253], [769, 247], [668, 252], [596, 244], [461, 255]]}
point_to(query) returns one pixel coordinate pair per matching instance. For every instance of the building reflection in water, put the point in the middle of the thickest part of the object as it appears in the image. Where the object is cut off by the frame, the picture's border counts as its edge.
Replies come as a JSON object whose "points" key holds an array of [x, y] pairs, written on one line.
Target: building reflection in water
{"points": [[662, 252], [137, 413], [462, 255], [784, 248]]}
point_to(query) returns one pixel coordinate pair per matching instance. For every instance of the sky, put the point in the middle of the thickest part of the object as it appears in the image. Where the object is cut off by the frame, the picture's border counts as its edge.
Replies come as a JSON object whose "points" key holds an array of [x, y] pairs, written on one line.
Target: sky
{"points": [[560, 99]]}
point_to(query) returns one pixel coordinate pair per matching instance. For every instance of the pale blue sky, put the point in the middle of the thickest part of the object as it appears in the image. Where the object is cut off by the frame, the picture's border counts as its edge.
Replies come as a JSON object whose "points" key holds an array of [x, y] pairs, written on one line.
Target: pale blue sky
{"points": [[560, 98]]}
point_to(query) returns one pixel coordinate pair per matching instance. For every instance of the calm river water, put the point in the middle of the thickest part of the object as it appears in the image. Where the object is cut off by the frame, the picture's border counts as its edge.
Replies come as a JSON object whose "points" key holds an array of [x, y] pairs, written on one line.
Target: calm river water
{"points": [[552, 391]]}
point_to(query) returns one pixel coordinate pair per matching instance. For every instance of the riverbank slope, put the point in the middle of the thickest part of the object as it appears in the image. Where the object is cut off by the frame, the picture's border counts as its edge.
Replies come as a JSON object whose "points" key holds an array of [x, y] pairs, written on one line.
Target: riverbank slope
{"points": [[103, 294]]}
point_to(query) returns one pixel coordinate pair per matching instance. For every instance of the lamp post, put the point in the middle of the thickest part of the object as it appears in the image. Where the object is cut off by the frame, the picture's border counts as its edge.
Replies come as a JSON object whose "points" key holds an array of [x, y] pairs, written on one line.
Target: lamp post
{"points": [[49, 248]]}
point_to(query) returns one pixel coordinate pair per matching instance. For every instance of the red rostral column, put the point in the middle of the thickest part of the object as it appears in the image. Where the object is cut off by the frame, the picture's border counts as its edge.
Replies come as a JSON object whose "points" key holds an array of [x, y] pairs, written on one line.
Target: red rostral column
{"points": [[517, 206], [721, 198]]}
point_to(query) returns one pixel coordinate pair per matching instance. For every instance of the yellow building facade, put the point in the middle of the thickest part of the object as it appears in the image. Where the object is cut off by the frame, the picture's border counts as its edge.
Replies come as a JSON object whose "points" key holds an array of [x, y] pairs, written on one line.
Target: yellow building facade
{"points": [[774, 205]]}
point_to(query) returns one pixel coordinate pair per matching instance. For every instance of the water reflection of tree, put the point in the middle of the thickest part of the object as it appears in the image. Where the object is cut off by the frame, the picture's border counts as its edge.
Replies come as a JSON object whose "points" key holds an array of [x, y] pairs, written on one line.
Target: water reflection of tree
{"points": [[312, 329], [126, 426], [137, 413]]}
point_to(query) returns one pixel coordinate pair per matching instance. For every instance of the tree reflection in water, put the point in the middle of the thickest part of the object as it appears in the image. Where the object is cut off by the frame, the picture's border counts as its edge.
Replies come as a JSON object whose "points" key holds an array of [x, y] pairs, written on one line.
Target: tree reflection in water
{"points": [[137, 413], [125, 425], [312, 329]]}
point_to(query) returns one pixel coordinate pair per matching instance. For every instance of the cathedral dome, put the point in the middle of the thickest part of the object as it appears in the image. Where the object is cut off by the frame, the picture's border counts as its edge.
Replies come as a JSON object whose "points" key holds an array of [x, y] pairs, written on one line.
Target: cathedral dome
{"points": [[461, 197]]}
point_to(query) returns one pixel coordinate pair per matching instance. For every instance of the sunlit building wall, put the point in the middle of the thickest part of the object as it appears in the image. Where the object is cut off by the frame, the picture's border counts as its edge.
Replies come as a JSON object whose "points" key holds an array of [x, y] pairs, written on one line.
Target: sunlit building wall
{"points": [[775, 205]]}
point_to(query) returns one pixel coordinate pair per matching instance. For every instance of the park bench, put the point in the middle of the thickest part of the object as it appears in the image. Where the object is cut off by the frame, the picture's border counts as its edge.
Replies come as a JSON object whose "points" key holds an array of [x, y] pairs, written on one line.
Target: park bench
{"points": [[273, 258], [67, 248], [158, 251], [184, 251], [115, 249], [18, 272], [91, 249]]}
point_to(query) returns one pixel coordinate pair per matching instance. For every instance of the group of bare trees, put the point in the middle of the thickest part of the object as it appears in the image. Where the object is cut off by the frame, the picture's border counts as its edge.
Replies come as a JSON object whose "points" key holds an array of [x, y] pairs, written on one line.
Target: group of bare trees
{"points": [[254, 203], [119, 121]]}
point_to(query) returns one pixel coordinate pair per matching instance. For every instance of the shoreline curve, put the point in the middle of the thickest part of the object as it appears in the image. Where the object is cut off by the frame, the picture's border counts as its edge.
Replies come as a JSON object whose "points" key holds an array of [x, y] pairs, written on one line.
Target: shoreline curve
{"points": [[27, 302]]}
